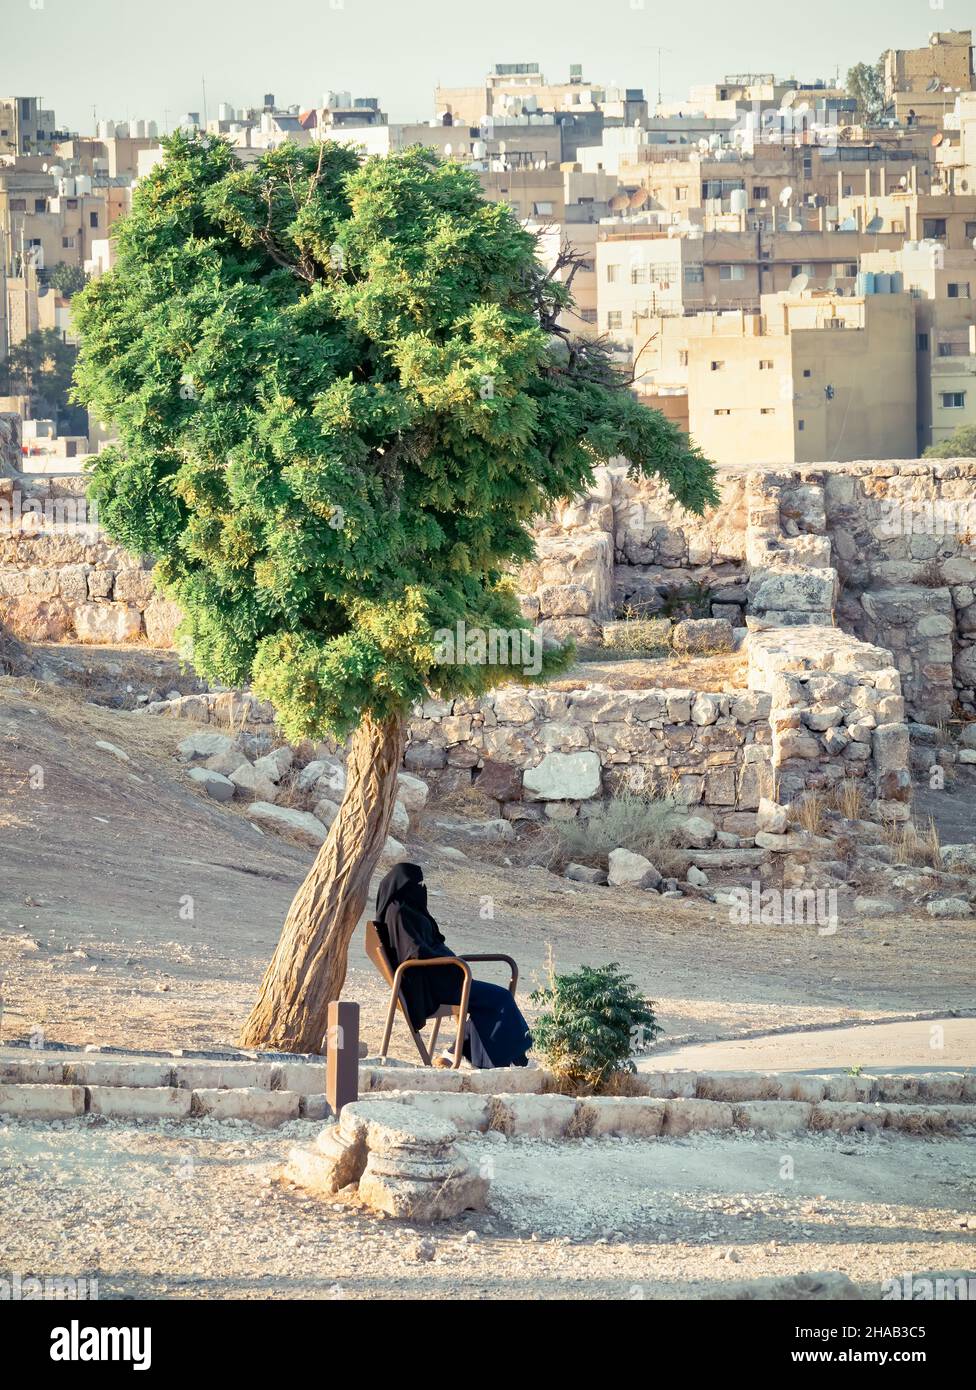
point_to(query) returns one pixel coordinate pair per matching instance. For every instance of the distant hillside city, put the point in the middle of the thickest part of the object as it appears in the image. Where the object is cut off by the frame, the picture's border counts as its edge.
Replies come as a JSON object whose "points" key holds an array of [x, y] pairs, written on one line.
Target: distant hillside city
{"points": [[784, 268]]}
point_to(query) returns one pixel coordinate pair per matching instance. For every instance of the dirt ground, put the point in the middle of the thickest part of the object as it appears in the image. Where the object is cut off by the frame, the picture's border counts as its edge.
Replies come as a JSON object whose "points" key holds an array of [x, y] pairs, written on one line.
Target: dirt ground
{"points": [[136, 911], [133, 911], [200, 1212]]}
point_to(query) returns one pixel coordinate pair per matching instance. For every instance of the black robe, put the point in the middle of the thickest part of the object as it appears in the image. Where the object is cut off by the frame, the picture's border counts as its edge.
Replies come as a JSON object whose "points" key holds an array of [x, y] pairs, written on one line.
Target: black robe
{"points": [[412, 934]]}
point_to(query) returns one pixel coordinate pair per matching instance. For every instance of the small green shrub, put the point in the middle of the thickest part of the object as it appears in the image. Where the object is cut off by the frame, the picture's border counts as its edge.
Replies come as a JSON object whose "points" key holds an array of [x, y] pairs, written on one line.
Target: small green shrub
{"points": [[592, 1022]]}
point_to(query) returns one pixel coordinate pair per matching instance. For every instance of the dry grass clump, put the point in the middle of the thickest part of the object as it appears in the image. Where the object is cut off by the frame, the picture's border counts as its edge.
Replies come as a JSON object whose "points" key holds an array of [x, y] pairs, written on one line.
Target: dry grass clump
{"points": [[725, 671], [643, 824], [808, 813], [914, 845], [848, 797]]}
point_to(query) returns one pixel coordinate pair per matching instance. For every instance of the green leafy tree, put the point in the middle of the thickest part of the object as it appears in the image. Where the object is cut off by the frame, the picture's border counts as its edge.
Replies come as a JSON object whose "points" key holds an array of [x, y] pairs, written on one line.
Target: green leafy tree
{"points": [[592, 1021], [960, 445], [67, 279], [866, 84], [41, 367], [341, 399]]}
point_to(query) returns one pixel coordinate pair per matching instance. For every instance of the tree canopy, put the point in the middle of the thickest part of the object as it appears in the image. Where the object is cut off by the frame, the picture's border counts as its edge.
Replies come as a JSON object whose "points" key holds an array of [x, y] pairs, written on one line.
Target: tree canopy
{"points": [[961, 444], [40, 366], [866, 84], [341, 398]]}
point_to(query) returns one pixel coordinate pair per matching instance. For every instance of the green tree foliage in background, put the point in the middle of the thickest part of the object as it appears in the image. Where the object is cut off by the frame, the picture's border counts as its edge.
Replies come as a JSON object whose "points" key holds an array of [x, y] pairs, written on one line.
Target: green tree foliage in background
{"points": [[342, 397], [866, 84], [67, 279], [961, 444], [41, 367]]}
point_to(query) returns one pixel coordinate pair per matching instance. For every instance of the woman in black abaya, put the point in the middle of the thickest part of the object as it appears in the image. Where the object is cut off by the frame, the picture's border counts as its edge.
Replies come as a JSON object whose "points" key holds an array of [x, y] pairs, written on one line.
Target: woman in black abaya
{"points": [[497, 1034]]}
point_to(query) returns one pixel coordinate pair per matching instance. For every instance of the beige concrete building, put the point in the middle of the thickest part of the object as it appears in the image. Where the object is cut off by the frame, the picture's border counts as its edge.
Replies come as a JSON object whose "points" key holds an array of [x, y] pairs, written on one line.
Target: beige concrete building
{"points": [[915, 216], [921, 84], [26, 128], [942, 287], [516, 88], [811, 377]]}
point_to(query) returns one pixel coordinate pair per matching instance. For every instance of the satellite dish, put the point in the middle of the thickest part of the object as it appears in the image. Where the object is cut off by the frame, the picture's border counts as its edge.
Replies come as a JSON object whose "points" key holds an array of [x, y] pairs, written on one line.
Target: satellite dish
{"points": [[788, 99], [802, 109], [619, 201], [786, 195], [875, 225], [794, 226], [848, 225], [831, 282], [798, 284], [933, 85], [448, 149], [638, 198], [904, 180], [937, 139]]}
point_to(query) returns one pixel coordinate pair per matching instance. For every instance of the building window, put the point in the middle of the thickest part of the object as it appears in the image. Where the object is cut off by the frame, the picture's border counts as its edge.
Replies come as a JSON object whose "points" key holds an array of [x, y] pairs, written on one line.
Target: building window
{"points": [[612, 272], [767, 410], [971, 231], [959, 290], [953, 400], [806, 371], [681, 195], [694, 274], [721, 412], [542, 209], [67, 243], [587, 315], [760, 191], [801, 424], [40, 205], [945, 349], [682, 357], [933, 228], [615, 318], [805, 269], [923, 342], [898, 226], [638, 274], [731, 272], [765, 364], [72, 204], [18, 204], [846, 270], [718, 366], [93, 219]]}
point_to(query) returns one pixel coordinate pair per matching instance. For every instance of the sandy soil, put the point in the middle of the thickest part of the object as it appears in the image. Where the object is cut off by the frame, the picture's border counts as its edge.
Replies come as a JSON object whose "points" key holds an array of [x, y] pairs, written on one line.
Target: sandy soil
{"points": [[201, 1212], [134, 910]]}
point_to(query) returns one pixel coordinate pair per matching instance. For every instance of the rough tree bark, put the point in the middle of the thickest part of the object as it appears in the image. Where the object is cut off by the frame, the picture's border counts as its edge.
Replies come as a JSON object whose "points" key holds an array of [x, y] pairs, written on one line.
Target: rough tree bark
{"points": [[308, 968]]}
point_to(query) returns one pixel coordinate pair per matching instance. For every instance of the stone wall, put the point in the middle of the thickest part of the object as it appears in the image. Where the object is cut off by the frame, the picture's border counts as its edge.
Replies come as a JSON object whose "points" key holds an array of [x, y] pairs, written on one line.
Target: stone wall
{"points": [[836, 712], [62, 580], [540, 752], [887, 550]]}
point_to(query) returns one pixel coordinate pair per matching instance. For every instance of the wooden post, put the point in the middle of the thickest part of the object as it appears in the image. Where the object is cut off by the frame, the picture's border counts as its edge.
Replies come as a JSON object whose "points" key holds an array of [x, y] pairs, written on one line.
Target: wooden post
{"points": [[342, 1055]]}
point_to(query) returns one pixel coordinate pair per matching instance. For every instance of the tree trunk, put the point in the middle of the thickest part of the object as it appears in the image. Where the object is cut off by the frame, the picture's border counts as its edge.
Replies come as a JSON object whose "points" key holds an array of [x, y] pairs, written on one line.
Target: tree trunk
{"points": [[308, 968]]}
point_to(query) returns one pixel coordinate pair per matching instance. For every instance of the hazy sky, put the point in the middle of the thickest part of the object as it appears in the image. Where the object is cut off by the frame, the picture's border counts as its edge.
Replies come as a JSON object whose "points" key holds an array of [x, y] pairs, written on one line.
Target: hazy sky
{"points": [[132, 58]]}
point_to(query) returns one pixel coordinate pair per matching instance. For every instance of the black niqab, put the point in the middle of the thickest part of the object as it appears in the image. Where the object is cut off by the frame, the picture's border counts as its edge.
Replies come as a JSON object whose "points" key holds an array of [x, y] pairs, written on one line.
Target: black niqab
{"points": [[412, 934]]}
